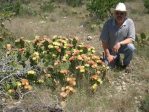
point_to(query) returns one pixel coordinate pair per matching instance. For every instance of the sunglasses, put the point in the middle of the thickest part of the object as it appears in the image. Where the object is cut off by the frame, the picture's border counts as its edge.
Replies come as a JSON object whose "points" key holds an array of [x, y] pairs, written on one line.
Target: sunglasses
{"points": [[120, 13]]}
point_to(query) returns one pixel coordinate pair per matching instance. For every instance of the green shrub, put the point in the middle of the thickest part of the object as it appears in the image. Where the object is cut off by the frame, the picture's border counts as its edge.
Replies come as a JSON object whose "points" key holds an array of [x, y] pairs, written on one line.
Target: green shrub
{"points": [[58, 62], [74, 3], [18, 7], [47, 6], [101, 8], [146, 4], [4, 32], [145, 104], [142, 40]]}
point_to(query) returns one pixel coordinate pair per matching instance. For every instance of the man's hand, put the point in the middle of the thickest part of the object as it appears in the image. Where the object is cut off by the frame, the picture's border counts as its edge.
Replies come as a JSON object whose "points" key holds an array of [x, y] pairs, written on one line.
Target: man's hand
{"points": [[111, 58], [116, 47]]}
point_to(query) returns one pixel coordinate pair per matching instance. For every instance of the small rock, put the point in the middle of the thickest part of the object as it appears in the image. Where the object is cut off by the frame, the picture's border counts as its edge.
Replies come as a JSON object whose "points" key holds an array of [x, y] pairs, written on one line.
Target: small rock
{"points": [[89, 37]]}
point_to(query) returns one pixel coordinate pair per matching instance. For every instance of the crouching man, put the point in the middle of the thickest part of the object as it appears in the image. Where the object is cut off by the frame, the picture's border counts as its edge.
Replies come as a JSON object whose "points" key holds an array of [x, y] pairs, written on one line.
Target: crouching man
{"points": [[117, 37]]}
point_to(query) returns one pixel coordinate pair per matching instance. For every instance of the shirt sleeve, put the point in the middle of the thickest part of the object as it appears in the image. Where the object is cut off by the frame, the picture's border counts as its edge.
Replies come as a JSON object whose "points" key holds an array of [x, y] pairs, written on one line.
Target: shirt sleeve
{"points": [[105, 33], [131, 30]]}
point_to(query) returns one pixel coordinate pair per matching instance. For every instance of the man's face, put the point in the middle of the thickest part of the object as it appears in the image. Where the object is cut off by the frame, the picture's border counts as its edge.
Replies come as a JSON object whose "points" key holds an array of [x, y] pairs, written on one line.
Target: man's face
{"points": [[120, 16]]}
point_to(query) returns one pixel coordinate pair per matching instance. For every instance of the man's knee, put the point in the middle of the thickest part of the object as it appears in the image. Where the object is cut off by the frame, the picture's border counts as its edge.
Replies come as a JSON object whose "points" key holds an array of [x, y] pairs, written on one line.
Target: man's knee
{"points": [[131, 47]]}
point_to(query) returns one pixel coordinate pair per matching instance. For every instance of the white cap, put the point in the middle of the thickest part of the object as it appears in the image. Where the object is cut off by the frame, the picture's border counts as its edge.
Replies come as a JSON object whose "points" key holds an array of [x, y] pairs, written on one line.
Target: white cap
{"points": [[120, 7]]}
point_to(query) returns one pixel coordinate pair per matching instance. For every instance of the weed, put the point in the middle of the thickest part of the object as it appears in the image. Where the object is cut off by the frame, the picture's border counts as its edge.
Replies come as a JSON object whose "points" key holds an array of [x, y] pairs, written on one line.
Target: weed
{"points": [[47, 6], [145, 104]]}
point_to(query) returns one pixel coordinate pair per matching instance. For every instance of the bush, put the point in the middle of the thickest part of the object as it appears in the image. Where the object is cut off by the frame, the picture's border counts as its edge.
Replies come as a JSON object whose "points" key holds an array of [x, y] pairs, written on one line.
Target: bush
{"points": [[145, 104], [142, 40], [4, 32], [18, 7], [146, 4], [47, 6], [74, 3], [101, 8], [58, 62]]}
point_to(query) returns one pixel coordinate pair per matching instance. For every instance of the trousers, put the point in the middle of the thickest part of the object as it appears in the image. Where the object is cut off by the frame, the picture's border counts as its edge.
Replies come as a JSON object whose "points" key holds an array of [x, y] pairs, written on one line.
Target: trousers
{"points": [[126, 50]]}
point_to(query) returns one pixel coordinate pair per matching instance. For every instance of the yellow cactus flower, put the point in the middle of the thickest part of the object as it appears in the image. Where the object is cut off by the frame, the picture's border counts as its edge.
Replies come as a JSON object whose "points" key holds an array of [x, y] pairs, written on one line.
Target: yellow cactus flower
{"points": [[35, 54], [18, 84], [31, 72], [50, 46], [8, 47], [40, 81], [100, 81], [94, 87], [11, 91]]}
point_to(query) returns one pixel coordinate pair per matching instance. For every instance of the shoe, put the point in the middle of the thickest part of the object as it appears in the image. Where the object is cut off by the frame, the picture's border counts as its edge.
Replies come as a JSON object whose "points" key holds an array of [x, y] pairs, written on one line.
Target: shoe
{"points": [[127, 68], [118, 62]]}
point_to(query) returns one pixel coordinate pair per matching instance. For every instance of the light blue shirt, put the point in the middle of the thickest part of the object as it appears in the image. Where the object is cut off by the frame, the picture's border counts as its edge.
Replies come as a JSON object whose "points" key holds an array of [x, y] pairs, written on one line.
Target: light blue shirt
{"points": [[111, 33]]}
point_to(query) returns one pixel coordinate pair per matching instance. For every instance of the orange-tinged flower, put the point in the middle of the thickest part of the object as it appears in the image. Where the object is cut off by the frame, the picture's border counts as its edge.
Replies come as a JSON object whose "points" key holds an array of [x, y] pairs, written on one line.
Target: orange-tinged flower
{"points": [[68, 52], [91, 62], [69, 45], [71, 58], [21, 50], [70, 89], [98, 72], [81, 68], [76, 52], [28, 87], [79, 58], [48, 75], [94, 57], [94, 65], [58, 50], [24, 82], [84, 56], [63, 94], [71, 81], [94, 77], [99, 61], [64, 71]]}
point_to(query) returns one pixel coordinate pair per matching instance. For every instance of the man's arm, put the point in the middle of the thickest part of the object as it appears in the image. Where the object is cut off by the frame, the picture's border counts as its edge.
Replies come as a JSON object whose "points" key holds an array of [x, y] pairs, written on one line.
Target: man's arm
{"points": [[105, 48], [107, 53], [126, 41]]}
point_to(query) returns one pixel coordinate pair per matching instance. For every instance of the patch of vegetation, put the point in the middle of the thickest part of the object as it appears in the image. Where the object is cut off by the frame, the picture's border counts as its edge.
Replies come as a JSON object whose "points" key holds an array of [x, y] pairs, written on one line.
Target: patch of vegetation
{"points": [[74, 3], [18, 7], [47, 6], [142, 44], [60, 62], [145, 104], [4, 32], [101, 8], [146, 4]]}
